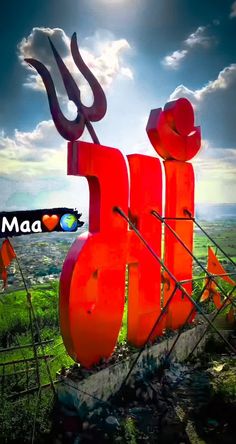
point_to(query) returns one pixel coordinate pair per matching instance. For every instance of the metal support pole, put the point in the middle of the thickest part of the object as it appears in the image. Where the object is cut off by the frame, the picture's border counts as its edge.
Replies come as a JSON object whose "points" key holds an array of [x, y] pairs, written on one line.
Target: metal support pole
{"points": [[209, 237], [186, 321], [122, 214], [32, 315], [163, 312], [28, 296], [186, 281], [210, 276], [213, 319]]}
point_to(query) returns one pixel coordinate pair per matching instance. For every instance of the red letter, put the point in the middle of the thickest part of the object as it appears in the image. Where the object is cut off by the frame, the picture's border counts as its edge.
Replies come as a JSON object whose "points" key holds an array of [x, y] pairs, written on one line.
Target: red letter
{"points": [[144, 270], [92, 284], [175, 138]]}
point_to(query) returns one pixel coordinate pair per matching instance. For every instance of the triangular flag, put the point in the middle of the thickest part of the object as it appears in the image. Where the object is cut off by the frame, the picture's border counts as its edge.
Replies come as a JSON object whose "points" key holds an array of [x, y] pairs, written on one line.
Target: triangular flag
{"points": [[211, 291], [217, 300], [215, 267], [7, 254], [206, 293], [3, 271]]}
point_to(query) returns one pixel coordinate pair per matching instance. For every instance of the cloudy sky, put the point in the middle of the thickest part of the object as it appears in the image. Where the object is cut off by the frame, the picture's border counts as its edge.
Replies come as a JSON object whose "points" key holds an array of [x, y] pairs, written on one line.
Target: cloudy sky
{"points": [[144, 53]]}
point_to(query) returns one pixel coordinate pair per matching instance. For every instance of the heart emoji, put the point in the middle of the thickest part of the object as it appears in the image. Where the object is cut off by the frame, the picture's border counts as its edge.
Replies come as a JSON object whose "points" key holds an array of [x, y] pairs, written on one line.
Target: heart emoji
{"points": [[50, 222]]}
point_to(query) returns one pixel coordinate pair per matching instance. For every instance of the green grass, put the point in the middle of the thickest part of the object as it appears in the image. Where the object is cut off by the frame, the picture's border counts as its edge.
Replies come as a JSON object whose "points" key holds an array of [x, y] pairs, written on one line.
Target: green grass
{"points": [[224, 236], [14, 311], [130, 431], [14, 322], [15, 330]]}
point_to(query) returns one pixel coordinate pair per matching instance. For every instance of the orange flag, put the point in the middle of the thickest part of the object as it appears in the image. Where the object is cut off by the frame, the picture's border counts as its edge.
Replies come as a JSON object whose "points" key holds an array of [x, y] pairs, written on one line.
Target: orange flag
{"points": [[7, 254], [214, 267]]}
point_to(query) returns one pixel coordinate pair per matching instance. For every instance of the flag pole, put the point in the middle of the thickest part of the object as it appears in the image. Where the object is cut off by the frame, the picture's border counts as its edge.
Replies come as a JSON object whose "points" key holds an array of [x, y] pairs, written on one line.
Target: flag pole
{"points": [[28, 296], [33, 317]]}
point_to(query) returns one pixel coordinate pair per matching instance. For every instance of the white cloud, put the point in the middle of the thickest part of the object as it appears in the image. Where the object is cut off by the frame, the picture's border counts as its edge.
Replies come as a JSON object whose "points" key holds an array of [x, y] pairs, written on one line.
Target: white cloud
{"points": [[34, 163], [233, 10], [226, 79], [36, 177], [197, 38], [215, 171], [105, 59], [33, 153], [215, 166], [37, 152], [215, 107], [173, 60], [34, 171], [43, 136], [44, 192]]}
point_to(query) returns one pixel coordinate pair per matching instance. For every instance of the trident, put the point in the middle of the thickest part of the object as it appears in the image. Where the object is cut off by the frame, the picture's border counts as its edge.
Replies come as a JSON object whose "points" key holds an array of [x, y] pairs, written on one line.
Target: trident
{"points": [[72, 129]]}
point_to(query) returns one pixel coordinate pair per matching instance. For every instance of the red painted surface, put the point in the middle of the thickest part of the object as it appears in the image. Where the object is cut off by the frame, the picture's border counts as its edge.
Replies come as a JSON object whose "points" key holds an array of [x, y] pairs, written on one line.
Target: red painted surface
{"points": [[179, 177], [176, 139], [214, 267], [172, 132], [92, 286], [144, 270]]}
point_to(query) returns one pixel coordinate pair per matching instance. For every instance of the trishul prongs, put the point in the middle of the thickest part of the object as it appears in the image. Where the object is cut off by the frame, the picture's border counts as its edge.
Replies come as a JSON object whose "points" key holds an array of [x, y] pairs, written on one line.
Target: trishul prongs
{"points": [[72, 129]]}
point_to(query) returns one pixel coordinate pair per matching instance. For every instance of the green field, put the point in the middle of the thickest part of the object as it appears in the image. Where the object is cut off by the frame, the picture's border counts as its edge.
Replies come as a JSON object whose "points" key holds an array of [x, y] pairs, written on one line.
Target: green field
{"points": [[15, 332], [223, 233]]}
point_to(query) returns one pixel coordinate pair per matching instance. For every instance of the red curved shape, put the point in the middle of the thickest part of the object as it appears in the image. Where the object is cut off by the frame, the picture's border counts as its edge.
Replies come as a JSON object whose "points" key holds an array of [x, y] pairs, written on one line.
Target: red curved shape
{"points": [[172, 132], [92, 283], [144, 271], [180, 116]]}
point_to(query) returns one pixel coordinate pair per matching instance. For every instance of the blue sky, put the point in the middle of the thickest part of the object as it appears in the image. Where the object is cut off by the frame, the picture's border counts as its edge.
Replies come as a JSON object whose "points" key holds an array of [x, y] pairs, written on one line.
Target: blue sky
{"points": [[144, 53]]}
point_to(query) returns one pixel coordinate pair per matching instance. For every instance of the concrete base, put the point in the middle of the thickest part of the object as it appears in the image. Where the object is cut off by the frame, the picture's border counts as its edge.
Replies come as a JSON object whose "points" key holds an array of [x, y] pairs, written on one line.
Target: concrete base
{"points": [[75, 395]]}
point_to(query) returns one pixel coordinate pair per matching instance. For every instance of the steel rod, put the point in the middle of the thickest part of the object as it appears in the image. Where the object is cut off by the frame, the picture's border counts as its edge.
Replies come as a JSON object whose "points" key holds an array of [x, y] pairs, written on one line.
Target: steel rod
{"points": [[159, 318], [183, 326], [158, 216], [28, 297], [20, 347], [32, 314], [209, 237], [20, 361], [32, 390], [213, 319], [199, 309], [186, 281], [18, 372]]}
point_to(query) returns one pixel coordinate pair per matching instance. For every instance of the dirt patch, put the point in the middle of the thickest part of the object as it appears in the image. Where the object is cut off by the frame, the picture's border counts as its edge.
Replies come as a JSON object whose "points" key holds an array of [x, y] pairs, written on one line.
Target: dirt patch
{"points": [[183, 403]]}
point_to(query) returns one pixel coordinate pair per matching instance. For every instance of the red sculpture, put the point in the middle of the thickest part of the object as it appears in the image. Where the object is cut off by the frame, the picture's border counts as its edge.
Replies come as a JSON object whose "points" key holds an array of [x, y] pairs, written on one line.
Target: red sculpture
{"points": [[92, 286], [176, 139], [144, 288]]}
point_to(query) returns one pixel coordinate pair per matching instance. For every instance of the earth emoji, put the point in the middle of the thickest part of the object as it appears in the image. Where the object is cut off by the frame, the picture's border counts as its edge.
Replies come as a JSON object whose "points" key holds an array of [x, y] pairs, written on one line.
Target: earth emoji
{"points": [[69, 222]]}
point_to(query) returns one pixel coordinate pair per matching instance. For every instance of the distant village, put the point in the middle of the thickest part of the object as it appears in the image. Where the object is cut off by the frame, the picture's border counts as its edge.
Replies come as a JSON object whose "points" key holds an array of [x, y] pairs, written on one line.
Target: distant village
{"points": [[41, 257]]}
